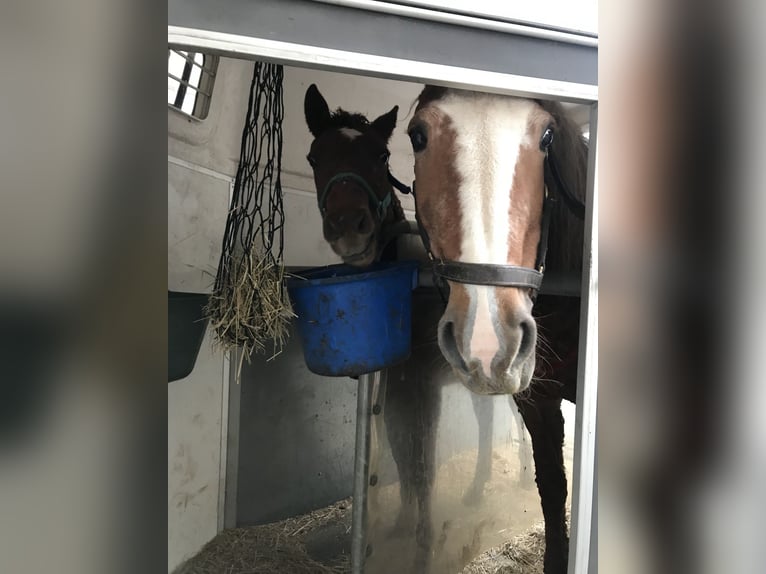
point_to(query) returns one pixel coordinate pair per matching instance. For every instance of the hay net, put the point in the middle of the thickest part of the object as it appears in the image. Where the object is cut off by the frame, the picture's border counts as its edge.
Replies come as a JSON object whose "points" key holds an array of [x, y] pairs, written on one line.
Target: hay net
{"points": [[249, 307]]}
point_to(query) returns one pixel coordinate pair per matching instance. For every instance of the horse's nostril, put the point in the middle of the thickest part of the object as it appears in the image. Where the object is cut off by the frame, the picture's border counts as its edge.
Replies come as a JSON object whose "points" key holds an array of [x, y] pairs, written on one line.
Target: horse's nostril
{"points": [[333, 227], [528, 336], [363, 223], [448, 345]]}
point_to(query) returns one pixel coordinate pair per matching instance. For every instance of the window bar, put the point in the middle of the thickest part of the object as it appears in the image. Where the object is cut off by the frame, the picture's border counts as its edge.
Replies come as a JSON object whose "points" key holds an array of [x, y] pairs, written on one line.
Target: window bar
{"points": [[208, 71], [186, 84]]}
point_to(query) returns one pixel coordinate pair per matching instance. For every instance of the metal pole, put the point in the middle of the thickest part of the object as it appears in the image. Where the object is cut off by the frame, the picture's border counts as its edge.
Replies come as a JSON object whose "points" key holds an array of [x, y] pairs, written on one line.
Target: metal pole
{"points": [[231, 432], [584, 471], [364, 399]]}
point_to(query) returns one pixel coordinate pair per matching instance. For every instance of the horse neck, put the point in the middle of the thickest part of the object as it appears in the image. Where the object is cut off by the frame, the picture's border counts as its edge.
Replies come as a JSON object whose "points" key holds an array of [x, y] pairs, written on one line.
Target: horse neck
{"points": [[565, 248]]}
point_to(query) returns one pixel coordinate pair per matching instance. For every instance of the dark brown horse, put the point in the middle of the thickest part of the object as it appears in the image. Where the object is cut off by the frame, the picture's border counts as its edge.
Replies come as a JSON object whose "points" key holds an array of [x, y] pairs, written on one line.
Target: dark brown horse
{"points": [[361, 213]]}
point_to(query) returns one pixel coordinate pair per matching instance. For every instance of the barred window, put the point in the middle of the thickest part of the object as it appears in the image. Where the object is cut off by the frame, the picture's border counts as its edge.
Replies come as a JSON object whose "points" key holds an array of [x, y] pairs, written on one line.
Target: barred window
{"points": [[190, 81]]}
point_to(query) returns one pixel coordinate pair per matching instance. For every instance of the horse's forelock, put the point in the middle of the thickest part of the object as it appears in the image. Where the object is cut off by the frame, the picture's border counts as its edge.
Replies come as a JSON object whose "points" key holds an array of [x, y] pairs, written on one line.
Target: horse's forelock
{"points": [[430, 94], [340, 118]]}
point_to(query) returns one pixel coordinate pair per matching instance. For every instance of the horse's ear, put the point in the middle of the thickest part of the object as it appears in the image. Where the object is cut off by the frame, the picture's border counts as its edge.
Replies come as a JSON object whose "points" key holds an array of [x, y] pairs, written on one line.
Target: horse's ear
{"points": [[316, 110], [385, 124]]}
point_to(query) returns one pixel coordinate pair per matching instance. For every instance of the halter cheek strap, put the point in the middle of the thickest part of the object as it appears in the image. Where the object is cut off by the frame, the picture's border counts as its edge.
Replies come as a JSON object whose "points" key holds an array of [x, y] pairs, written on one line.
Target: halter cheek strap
{"points": [[380, 205]]}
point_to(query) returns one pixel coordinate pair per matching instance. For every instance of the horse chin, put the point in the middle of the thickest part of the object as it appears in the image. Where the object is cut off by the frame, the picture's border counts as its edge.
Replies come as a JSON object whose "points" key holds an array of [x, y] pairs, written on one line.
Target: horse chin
{"points": [[509, 382], [364, 258], [356, 262]]}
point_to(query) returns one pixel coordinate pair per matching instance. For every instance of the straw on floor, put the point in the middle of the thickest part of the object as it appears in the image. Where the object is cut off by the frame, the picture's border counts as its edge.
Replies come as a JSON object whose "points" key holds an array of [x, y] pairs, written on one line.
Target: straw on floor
{"points": [[522, 554], [277, 548]]}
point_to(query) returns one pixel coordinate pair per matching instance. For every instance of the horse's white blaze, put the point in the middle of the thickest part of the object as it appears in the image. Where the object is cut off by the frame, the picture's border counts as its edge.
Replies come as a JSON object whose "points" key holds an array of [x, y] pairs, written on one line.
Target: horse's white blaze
{"points": [[486, 179], [484, 342], [350, 133]]}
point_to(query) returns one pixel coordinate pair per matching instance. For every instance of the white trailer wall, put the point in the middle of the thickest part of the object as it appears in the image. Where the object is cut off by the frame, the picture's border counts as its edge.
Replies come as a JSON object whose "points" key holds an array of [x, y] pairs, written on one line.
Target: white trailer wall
{"points": [[202, 162]]}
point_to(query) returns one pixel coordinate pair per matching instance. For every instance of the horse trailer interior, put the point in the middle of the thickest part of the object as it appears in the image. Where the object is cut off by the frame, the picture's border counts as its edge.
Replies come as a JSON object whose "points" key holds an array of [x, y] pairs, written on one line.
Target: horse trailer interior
{"points": [[266, 458]]}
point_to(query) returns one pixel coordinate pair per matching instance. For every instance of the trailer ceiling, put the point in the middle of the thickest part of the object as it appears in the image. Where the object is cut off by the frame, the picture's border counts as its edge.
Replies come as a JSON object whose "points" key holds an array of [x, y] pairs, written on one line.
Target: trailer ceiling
{"points": [[395, 41]]}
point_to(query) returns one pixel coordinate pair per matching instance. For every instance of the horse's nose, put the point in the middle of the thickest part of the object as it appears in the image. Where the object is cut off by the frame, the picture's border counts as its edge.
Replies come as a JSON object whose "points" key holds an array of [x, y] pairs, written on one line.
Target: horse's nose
{"points": [[339, 224], [486, 351]]}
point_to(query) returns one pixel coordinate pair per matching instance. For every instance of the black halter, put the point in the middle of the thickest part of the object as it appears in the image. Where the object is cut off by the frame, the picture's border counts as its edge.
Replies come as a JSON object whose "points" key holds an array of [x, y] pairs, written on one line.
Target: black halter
{"points": [[508, 275]]}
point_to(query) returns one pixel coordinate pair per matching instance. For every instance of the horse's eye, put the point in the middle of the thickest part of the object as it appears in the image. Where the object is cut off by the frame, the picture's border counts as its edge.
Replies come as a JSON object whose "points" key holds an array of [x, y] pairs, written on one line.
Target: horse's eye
{"points": [[312, 161], [547, 139], [384, 157], [418, 138]]}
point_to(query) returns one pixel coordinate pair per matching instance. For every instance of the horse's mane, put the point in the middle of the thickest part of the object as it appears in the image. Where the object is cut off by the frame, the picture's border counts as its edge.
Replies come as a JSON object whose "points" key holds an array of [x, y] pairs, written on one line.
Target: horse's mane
{"points": [[570, 150]]}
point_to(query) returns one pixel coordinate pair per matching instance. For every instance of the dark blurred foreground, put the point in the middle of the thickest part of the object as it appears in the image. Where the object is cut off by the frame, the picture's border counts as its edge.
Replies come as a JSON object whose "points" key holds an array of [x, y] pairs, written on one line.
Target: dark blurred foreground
{"points": [[681, 431], [682, 434]]}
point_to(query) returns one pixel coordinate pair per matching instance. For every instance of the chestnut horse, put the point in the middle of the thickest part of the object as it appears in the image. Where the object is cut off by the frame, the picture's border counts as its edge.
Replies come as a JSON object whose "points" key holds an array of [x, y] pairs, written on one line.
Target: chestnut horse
{"points": [[500, 184], [360, 215]]}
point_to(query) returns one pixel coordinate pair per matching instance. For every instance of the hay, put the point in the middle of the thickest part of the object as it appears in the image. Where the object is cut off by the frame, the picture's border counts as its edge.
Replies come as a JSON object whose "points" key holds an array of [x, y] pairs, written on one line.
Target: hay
{"points": [[278, 548], [251, 308], [523, 554]]}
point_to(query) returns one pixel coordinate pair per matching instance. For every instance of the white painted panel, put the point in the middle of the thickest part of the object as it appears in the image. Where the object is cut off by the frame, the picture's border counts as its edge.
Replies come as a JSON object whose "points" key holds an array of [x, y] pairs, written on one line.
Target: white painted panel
{"points": [[198, 203], [194, 455], [304, 243]]}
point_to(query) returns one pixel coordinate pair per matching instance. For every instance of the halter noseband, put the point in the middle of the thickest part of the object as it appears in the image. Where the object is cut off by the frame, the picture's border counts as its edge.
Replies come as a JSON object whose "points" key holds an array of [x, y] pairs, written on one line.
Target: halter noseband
{"points": [[496, 275], [380, 205]]}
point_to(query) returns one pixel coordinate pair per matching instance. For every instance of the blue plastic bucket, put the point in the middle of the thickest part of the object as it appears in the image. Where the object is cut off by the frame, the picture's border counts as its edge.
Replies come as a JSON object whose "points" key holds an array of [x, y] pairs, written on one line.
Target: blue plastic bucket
{"points": [[354, 322]]}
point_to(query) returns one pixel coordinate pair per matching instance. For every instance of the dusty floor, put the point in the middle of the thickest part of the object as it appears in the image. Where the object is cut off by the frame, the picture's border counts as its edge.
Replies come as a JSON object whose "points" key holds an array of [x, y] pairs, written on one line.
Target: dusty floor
{"points": [[463, 530], [499, 534]]}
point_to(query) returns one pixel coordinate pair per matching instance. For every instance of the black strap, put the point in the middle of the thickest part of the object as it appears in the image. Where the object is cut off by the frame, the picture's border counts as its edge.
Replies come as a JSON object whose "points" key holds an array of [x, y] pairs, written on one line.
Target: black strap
{"points": [[554, 182], [439, 281], [398, 184], [482, 273], [423, 233], [545, 226], [489, 274]]}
